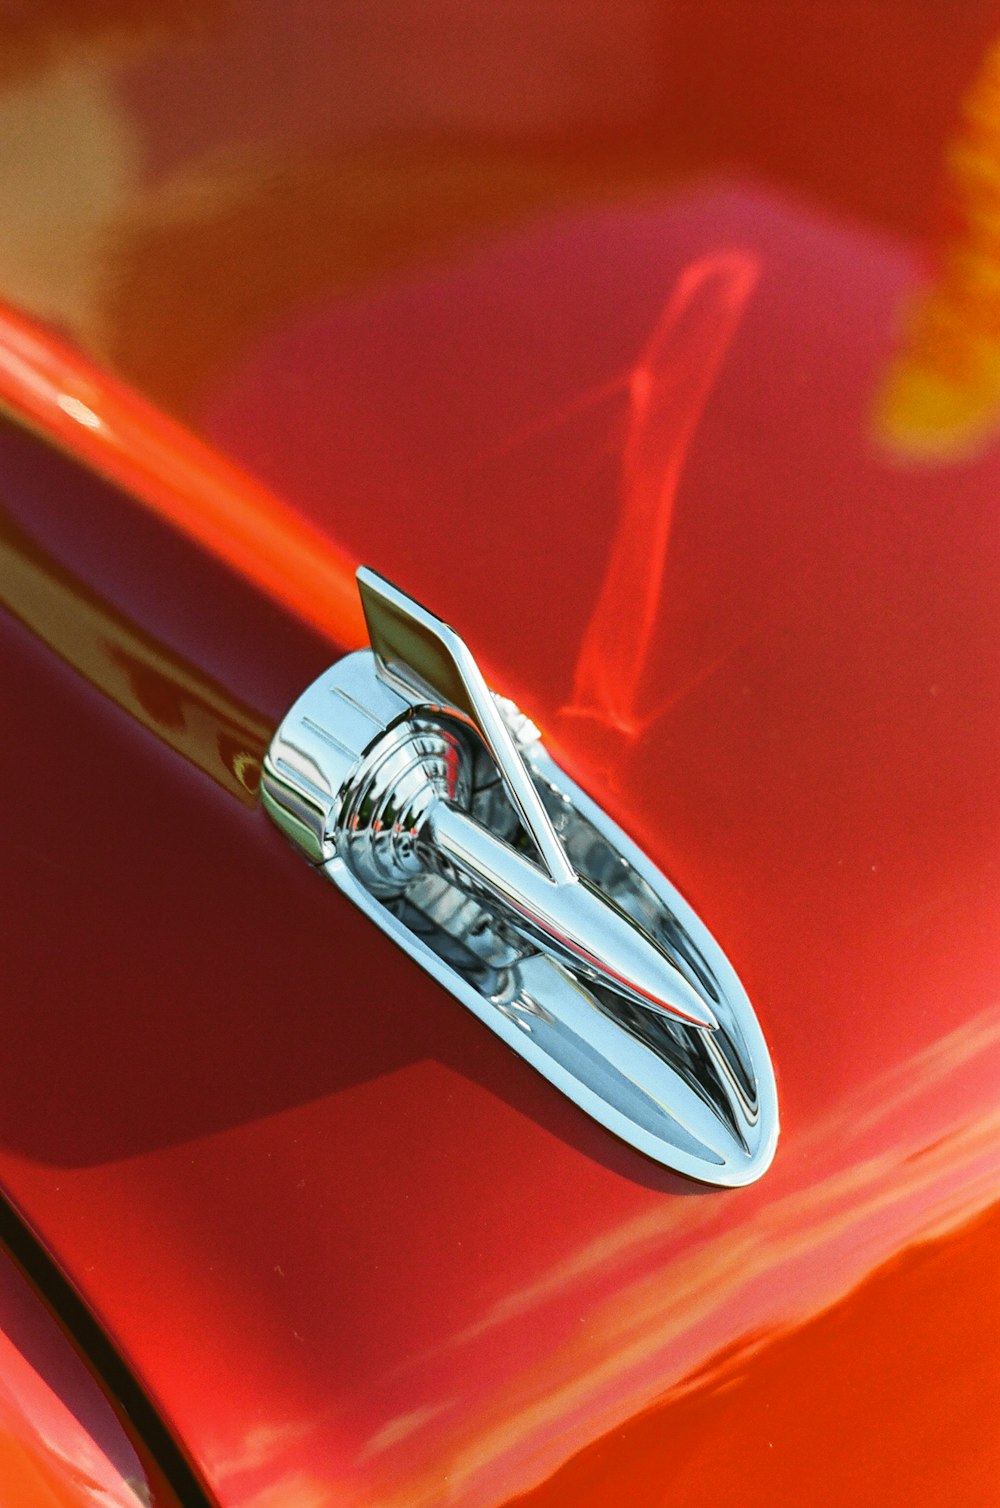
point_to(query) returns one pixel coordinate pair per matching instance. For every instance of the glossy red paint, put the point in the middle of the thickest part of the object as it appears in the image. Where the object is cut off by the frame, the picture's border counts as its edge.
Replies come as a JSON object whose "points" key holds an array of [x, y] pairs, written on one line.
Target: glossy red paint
{"points": [[61, 1442], [736, 1421], [49, 386], [356, 1252]]}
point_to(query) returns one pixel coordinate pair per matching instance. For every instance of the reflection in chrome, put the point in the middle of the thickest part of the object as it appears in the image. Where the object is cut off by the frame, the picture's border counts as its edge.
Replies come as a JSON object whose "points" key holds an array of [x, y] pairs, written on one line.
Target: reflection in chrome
{"points": [[433, 805]]}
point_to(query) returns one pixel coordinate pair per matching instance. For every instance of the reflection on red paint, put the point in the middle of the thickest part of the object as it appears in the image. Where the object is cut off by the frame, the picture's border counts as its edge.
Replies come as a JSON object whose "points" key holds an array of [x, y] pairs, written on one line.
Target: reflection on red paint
{"points": [[63, 1442], [668, 389], [755, 1412], [54, 390], [940, 398], [182, 705]]}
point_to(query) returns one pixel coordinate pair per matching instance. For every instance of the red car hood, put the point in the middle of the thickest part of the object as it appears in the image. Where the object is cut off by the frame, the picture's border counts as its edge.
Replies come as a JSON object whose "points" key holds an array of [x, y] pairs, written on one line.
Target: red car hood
{"points": [[668, 467]]}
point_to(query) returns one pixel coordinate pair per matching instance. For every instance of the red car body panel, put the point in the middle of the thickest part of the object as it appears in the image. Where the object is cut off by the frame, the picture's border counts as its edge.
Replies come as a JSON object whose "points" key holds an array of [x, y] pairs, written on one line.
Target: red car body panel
{"points": [[63, 1442], [644, 421]]}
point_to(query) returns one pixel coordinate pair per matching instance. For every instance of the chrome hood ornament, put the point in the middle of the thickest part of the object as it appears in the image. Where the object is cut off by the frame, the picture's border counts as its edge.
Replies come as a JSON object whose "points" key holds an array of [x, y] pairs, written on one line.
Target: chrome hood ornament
{"points": [[433, 805]]}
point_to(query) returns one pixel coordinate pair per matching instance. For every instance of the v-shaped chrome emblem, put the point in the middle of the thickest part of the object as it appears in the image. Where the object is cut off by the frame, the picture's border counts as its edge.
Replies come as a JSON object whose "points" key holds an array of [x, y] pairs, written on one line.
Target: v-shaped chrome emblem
{"points": [[432, 804]]}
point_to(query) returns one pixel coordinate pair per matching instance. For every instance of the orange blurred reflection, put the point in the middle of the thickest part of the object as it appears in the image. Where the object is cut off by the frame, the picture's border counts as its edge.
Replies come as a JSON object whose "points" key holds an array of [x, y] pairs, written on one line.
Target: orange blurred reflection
{"points": [[941, 396]]}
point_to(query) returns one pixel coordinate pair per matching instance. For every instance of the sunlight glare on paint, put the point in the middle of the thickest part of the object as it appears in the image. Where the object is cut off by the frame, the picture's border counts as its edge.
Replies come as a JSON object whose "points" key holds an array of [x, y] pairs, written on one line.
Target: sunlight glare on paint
{"points": [[78, 411]]}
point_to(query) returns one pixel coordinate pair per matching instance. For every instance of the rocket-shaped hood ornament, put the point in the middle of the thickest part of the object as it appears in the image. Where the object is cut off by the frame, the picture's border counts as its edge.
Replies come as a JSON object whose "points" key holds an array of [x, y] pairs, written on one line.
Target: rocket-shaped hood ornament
{"points": [[431, 802]]}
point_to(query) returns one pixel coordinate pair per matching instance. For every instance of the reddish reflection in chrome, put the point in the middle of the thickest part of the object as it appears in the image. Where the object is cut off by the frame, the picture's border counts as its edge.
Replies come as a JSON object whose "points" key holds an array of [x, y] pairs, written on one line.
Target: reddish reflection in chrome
{"points": [[50, 387], [668, 389]]}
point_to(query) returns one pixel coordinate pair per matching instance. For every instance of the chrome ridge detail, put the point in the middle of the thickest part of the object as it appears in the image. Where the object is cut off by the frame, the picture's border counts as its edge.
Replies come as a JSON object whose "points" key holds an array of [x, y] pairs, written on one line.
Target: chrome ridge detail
{"points": [[432, 804]]}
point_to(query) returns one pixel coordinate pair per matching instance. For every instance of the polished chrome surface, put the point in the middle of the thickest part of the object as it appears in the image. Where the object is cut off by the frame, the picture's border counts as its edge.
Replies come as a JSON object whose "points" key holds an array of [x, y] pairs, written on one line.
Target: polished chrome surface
{"points": [[433, 804], [584, 928]]}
